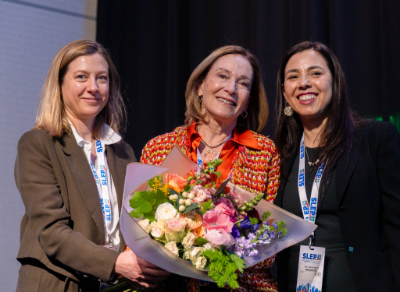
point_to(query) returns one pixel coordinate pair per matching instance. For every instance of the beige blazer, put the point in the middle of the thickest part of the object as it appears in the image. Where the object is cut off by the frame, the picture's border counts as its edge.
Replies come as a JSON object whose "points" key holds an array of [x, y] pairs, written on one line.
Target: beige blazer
{"points": [[62, 231]]}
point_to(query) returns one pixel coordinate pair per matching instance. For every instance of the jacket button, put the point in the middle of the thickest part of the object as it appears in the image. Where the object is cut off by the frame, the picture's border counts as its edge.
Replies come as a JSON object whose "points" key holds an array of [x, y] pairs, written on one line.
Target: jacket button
{"points": [[342, 209]]}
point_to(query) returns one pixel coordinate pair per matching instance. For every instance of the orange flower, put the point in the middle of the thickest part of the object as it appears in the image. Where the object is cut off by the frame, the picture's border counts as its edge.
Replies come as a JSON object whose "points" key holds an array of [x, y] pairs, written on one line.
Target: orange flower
{"points": [[175, 182], [193, 220], [199, 231]]}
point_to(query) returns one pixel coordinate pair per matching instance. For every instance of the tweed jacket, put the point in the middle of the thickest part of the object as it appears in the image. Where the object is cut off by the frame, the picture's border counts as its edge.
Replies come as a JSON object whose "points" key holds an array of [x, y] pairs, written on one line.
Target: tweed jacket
{"points": [[62, 230], [368, 206], [255, 170]]}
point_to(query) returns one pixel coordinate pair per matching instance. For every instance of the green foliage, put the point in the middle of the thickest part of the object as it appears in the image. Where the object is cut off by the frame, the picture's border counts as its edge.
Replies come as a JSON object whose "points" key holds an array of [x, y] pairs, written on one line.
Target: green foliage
{"points": [[253, 221], [145, 204], [240, 264], [265, 216], [205, 207], [281, 227], [212, 165], [222, 268], [191, 207], [200, 241], [218, 173]]}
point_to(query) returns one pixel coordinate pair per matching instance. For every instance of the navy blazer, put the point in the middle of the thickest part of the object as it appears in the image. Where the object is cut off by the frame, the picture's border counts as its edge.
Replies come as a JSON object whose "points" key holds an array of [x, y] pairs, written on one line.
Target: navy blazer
{"points": [[368, 205]]}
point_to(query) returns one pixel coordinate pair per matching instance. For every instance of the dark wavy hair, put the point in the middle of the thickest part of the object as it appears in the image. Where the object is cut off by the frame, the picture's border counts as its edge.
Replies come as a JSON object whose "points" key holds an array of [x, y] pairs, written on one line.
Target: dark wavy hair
{"points": [[337, 136]]}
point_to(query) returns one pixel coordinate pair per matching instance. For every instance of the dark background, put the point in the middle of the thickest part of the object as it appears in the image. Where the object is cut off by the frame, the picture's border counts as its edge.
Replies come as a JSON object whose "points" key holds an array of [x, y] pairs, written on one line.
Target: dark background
{"points": [[156, 44]]}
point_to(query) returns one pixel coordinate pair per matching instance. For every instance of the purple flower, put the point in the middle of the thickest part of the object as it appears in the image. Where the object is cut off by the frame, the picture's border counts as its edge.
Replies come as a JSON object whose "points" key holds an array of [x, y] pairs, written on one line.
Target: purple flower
{"points": [[265, 223], [275, 225], [245, 223], [253, 253], [255, 227], [235, 232]]}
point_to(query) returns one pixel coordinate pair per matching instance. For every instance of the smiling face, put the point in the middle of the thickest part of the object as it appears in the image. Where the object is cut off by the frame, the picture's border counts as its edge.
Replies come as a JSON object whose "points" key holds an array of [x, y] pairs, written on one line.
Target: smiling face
{"points": [[85, 87], [307, 85], [226, 88]]}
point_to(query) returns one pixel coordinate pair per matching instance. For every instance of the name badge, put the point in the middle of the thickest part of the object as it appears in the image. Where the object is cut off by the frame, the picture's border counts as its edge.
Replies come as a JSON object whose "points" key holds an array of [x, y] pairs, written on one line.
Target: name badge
{"points": [[311, 269]]}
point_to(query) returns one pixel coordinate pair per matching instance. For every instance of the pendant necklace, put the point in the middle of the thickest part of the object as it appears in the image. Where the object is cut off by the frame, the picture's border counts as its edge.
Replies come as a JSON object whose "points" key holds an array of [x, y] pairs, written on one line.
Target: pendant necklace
{"points": [[211, 151]]}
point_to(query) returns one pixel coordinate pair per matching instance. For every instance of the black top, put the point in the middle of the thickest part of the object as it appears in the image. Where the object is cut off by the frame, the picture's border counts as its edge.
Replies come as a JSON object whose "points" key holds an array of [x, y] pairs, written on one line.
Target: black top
{"points": [[336, 272]]}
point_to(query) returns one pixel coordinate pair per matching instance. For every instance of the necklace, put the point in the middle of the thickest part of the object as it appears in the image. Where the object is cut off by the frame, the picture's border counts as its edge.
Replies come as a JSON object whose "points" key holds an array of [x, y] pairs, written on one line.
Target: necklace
{"points": [[211, 151], [308, 158]]}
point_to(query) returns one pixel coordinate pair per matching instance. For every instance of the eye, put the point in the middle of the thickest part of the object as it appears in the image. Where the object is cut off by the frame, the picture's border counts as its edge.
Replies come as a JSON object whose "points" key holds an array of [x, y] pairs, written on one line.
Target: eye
{"points": [[316, 73], [291, 77], [80, 76], [245, 84], [223, 76], [103, 78]]}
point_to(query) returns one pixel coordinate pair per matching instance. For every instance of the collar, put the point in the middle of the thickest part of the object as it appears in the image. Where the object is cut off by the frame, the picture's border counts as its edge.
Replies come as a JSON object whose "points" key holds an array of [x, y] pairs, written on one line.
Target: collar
{"points": [[109, 136], [240, 135]]}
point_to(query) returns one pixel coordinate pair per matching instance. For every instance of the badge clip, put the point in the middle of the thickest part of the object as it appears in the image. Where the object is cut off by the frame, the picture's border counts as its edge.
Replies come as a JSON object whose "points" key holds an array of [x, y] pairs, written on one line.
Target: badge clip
{"points": [[310, 241]]}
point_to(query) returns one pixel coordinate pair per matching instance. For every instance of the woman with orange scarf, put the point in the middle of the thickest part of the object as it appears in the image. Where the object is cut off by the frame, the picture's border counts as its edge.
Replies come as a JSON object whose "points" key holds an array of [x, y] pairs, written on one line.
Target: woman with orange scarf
{"points": [[226, 108]]}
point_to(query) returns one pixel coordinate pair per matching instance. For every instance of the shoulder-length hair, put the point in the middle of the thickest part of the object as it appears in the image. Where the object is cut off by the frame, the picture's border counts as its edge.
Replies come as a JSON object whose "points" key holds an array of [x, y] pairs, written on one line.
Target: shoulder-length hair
{"points": [[51, 114], [339, 129], [257, 108]]}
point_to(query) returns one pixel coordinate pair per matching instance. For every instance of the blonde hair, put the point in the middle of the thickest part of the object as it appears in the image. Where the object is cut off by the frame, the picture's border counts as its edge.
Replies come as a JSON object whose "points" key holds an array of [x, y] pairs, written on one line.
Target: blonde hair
{"points": [[51, 114], [258, 106]]}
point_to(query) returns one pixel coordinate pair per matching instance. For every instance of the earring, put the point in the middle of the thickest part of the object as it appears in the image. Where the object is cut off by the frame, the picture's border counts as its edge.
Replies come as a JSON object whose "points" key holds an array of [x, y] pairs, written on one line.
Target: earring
{"points": [[201, 98], [245, 114], [288, 111]]}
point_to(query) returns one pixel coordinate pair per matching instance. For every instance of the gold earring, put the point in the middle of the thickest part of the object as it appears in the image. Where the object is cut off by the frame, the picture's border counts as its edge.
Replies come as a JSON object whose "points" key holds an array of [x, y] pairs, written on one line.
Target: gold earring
{"points": [[288, 111], [245, 114]]}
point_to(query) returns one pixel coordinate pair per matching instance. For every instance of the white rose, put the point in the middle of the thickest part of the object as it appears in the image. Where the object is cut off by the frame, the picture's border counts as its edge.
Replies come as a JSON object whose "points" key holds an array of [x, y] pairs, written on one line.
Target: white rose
{"points": [[207, 246], [195, 252], [166, 211], [171, 246], [200, 263], [145, 224], [188, 241], [157, 229]]}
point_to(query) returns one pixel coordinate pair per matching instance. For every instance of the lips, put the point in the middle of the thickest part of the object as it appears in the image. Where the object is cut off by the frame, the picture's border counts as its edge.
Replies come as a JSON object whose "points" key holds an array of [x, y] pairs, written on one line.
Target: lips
{"points": [[230, 102]]}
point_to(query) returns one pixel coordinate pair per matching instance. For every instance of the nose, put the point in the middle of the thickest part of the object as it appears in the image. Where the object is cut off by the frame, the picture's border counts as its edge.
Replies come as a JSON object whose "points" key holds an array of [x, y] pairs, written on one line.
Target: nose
{"points": [[92, 86], [231, 86], [304, 82]]}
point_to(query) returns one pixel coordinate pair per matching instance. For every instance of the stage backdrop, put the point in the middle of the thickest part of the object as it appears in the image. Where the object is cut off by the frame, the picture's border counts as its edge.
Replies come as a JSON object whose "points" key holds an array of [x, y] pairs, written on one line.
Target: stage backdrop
{"points": [[157, 44]]}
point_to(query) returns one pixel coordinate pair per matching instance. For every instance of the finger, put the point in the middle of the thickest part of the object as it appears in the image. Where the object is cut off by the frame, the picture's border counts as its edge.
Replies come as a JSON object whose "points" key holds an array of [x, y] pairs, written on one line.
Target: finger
{"points": [[156, 272]]}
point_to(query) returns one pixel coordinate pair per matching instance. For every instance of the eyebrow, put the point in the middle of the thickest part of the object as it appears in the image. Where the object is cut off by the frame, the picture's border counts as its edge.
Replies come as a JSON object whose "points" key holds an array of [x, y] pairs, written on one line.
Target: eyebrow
{"points": [[241, 77], [308, 69], [86, 72]]}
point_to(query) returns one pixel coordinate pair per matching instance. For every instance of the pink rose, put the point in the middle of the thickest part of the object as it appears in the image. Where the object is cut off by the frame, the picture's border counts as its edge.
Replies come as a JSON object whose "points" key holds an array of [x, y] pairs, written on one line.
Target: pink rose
{"points": [[175, 229], [225, 206], [215, 219], [218, 237]]}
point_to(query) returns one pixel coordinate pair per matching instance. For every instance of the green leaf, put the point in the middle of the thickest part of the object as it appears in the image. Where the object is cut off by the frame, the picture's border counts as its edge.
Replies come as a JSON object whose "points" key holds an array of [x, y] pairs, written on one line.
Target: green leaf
{"points": [[136, 214], [208, 205], [218, 173], [191, 207], [240, 264], [265, 216], [200, 241], [173, 192]]}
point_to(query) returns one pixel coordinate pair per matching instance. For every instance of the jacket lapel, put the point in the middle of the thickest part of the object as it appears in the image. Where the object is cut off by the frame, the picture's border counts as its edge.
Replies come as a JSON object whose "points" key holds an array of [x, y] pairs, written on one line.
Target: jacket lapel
{"points": [[82, 173], [285, 171], [346, 166]]}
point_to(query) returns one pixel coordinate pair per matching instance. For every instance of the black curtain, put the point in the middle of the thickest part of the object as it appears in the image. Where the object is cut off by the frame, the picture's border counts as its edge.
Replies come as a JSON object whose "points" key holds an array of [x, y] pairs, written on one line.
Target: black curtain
{"points": [[156, 44]]}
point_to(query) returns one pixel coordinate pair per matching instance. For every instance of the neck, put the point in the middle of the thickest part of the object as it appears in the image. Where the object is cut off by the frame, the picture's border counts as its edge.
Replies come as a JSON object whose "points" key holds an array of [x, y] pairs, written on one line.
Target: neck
{"points": [[312, 132], [213, 132], [84, 128]]}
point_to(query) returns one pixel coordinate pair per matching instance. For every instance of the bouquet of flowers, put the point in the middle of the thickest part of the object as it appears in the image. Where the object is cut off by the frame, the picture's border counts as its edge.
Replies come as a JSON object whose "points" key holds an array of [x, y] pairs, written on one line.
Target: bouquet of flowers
{"points": [[193, 224], [203, 221]]}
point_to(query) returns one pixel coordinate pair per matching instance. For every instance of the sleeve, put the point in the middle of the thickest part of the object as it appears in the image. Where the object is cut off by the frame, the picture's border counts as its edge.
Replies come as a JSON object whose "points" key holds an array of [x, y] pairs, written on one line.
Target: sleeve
{"points": [[273, 175], [388, 171], [147, 152], [36, 171]]}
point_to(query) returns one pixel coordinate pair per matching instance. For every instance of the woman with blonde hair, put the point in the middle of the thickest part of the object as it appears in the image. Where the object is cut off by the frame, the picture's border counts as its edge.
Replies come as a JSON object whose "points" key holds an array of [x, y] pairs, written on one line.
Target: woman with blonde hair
{"points": [[70, 173], [226, 108]]}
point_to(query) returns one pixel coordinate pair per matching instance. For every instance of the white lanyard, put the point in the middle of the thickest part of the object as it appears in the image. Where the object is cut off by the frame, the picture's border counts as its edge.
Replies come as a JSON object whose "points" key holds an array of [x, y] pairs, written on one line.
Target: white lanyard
{"points": [[309, 209], [101, 182], [200, 160]]}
